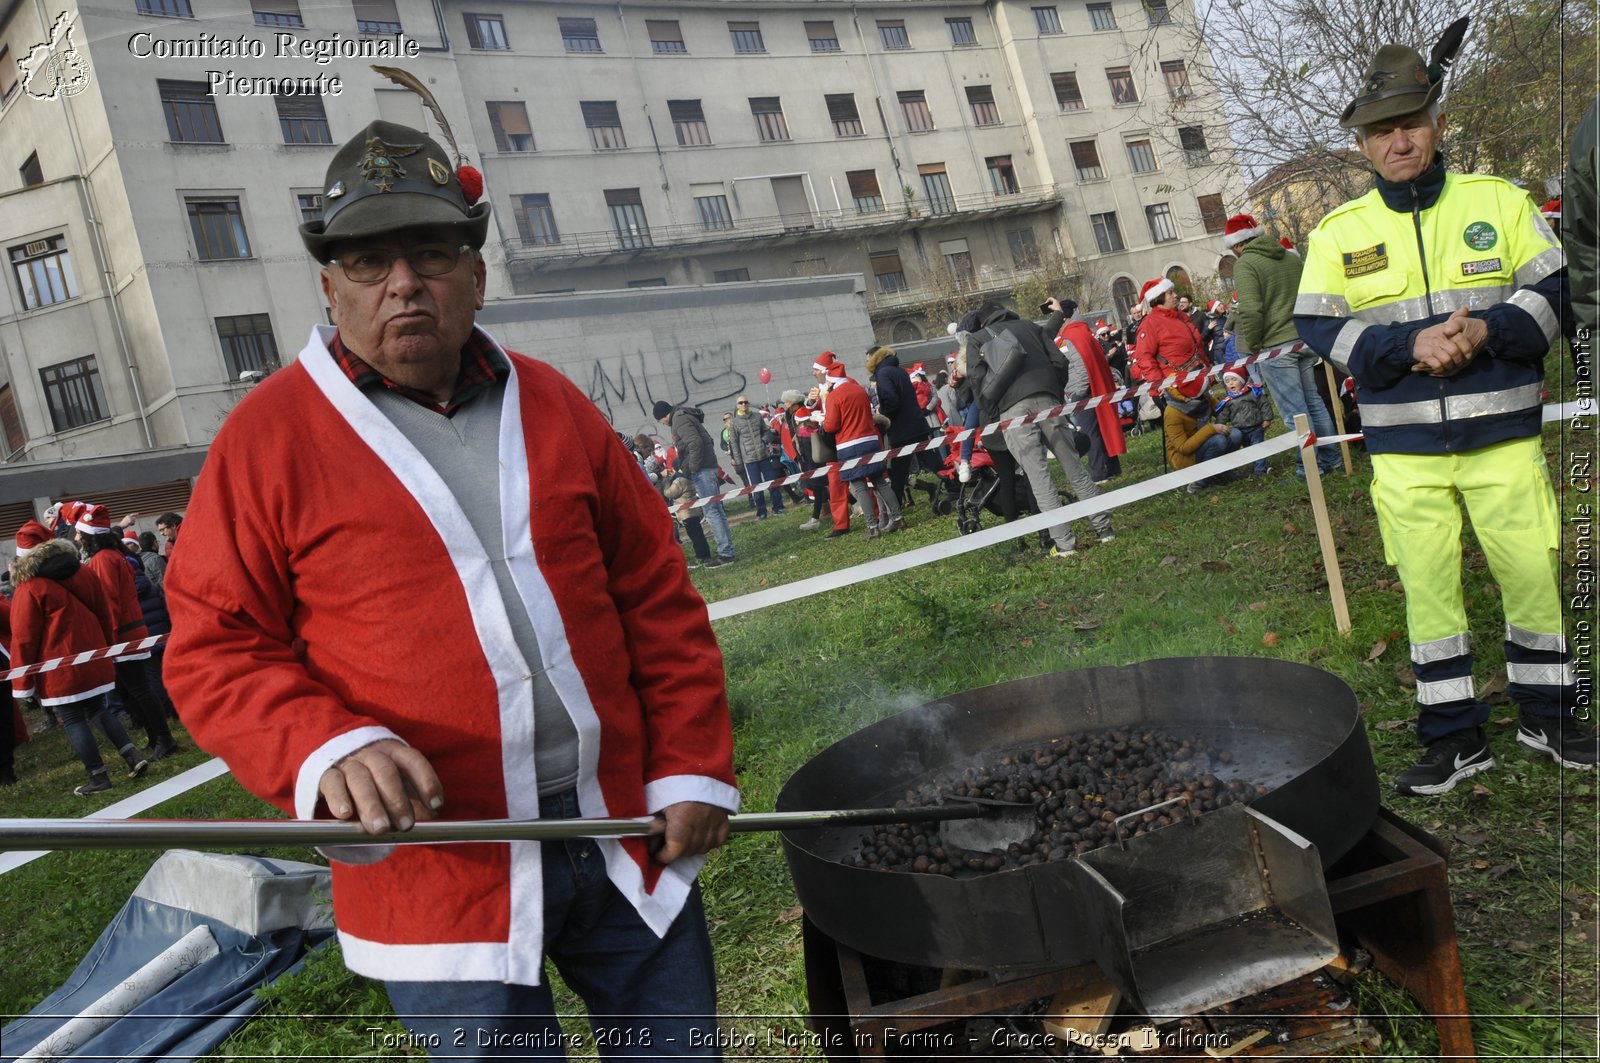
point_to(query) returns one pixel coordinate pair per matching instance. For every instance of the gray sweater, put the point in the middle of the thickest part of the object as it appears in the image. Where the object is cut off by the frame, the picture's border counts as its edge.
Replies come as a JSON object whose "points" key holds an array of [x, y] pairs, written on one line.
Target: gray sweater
{"points": [[464, 451]]}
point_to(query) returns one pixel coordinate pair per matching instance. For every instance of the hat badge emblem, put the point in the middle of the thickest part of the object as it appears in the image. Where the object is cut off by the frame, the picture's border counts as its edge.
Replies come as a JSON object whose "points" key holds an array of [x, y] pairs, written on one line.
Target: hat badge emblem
{"points": [[1375, 82], [378, 165], [335, 191]]}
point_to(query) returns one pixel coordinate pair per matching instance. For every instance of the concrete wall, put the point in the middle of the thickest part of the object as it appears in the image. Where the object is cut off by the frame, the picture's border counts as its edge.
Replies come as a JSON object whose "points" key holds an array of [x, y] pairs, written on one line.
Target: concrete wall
{"points": [[697, 345]]}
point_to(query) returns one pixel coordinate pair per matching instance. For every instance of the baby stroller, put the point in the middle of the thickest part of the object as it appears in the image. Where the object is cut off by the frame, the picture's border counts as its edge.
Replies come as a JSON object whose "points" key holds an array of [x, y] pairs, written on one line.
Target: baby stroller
{"points": [[968, 500]]}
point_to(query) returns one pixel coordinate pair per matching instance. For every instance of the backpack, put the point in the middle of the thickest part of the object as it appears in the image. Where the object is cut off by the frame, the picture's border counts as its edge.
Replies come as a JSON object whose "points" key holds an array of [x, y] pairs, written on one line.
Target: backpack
{"points": [[1004, 356]]}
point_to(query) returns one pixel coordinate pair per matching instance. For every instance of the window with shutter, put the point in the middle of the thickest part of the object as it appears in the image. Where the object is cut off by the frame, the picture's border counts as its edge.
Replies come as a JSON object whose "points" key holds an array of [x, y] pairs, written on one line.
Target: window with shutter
{"points": [[844, 116], [865, 191], [822, 36], [604, 123], [508, 120], [1212, 214], [887, 271], [961, 32], [914, 109], [302, 120], [627, 218], [770, 123], [1086, 157], [536, 219], [579, 34], [746, 37], [191, 112], [1068, 96], [276, 13], [981, 99], [666, 38], [375, 17], [1122, 90], [689, 122], [893, 35]]}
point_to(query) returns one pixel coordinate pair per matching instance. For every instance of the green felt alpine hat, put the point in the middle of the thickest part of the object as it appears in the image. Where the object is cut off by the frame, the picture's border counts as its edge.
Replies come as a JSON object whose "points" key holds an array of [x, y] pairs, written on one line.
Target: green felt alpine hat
{"points": [[1398, 83], [390, 177]]}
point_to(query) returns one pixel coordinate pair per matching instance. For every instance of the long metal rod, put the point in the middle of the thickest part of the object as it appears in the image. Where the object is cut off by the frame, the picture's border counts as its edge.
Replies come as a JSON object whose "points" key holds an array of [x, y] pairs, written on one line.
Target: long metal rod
{"points": [[246, 833]]}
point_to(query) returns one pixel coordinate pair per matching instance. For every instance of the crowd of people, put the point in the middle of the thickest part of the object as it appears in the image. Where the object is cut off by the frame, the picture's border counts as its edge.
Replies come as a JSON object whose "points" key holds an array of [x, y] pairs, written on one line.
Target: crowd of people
{"points": [[79, 582]]}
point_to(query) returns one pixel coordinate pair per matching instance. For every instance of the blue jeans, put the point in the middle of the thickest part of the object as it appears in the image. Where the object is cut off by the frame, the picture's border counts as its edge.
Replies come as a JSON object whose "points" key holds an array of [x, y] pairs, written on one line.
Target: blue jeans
{"points": [[1224, 442], [76, 716], [1250, 436], [706, 485], [1292, 383], [757, 472], [648, 997]]}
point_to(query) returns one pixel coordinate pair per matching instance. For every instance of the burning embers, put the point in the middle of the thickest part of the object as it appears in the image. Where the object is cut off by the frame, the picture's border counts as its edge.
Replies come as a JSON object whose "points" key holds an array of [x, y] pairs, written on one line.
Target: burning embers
{"points": [[1086, 790]]}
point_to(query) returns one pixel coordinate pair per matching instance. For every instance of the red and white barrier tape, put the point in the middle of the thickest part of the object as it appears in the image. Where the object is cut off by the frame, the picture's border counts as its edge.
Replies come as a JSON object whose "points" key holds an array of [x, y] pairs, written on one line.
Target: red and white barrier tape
{"points": [[117, 650], [1146, 388]]}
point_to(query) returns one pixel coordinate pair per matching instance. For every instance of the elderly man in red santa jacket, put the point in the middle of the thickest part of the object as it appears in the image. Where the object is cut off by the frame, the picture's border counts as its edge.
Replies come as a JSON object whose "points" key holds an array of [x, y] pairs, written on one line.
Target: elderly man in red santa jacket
{"points": [[423, 577]]}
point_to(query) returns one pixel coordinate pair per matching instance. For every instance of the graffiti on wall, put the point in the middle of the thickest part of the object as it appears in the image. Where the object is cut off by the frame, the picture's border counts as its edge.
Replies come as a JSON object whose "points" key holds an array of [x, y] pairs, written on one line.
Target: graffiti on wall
{"points": [[626, 387]]}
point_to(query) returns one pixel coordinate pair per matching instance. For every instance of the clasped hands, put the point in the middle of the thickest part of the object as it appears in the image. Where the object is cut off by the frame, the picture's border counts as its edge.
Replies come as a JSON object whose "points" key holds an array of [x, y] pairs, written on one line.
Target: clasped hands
{"points": [[1443, 350], [388, 785]]}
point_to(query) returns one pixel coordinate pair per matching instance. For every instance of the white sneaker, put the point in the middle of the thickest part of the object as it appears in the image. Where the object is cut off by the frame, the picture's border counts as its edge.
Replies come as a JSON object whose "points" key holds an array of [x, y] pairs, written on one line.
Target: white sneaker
{"points": [[964, 472], [809, 523]]}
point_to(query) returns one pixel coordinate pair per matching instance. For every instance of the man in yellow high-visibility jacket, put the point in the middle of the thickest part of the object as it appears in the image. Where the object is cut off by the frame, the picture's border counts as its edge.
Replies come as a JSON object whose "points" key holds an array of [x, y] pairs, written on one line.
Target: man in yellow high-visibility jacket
{"points": [[1441, 294]]}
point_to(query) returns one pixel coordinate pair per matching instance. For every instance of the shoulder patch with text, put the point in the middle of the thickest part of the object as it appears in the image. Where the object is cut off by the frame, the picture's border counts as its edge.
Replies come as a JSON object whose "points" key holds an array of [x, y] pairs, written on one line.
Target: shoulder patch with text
{"points": [[1367, 260], [1483, 265]]}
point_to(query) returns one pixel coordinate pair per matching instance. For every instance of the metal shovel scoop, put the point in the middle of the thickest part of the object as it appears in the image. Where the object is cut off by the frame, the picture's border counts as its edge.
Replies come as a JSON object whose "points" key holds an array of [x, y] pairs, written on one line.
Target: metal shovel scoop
{"points": [[1000, 824], [245, 833]]}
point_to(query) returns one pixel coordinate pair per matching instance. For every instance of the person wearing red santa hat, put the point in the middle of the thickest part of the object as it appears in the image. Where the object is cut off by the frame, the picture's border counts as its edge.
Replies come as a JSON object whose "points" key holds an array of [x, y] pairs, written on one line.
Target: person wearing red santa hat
{"points": [[1167, 342], [847, 416], [109, 563], [1188, 431], [59, 609], [828, 370]]}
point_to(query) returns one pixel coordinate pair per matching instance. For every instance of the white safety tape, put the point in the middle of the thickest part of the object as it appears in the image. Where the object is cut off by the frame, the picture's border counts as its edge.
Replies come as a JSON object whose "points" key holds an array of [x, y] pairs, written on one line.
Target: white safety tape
{"points": [[1017, 529]]}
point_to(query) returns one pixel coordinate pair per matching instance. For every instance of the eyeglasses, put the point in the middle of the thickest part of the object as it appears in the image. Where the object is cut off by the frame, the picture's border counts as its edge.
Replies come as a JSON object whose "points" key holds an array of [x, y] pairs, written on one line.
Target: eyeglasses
{"points": [[369, 266], [742, 402]]}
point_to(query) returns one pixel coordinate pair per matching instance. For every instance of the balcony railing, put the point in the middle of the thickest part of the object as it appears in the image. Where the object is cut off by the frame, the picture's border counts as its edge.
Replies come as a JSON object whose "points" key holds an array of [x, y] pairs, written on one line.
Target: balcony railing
{"points": [[819, 224], [986, 280]]}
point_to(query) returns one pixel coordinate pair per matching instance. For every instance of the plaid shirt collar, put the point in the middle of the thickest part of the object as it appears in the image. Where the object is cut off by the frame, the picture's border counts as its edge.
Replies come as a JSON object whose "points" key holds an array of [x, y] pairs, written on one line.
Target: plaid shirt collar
{"points": [[482, 366]]}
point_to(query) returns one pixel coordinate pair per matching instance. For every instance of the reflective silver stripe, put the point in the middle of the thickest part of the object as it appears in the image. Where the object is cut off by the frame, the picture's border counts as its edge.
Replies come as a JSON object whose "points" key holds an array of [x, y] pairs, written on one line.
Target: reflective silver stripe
{"points": [[1535, 640], [1319, 304], [1540, 266], [1539, 308], [1440, 649], [1541, 675], [1387, 415], [1345, 343], [1453, 407], [1444, 691], [1460, 407], [1441, 302]]}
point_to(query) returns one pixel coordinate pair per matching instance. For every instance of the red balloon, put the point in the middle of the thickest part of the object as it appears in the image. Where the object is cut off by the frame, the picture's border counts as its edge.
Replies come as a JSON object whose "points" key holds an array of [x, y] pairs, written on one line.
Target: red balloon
{"points": [[765, 376]]}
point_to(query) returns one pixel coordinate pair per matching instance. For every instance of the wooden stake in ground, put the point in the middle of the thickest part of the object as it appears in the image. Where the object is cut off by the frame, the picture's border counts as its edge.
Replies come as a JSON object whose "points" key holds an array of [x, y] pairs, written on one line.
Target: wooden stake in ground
{"points": [[1319, 509], [1338, 414]]}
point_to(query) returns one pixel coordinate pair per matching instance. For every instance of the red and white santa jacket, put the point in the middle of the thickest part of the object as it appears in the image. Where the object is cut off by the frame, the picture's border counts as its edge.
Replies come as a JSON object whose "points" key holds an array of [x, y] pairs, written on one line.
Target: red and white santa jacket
{"points": [[110, 567], [332, 593], [847, 412], [58, 609]]}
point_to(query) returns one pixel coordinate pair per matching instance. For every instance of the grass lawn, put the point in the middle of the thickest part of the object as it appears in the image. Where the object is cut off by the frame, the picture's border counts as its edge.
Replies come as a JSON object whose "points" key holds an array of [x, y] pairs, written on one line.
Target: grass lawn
{"points": [[1234, 570]]}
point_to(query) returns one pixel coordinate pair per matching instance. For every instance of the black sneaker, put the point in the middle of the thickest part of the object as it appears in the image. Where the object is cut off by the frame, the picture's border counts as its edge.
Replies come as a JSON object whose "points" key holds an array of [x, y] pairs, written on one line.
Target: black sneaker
{"points": [[838, 533], [1446, 762], [97, 784], [1566, 740]]}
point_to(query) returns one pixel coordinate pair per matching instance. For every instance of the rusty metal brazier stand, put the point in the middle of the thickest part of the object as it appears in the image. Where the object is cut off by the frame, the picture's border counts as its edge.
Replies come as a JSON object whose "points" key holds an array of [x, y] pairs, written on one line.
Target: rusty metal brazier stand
{"points": [[1181, 919]]}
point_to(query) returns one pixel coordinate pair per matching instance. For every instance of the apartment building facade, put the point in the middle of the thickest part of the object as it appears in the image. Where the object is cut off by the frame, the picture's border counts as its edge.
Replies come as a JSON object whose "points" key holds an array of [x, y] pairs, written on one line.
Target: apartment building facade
{"points": [[156, 157]]}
